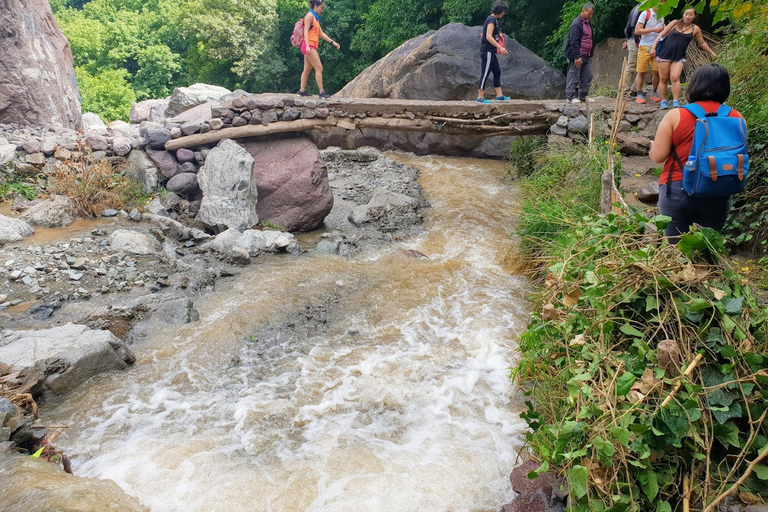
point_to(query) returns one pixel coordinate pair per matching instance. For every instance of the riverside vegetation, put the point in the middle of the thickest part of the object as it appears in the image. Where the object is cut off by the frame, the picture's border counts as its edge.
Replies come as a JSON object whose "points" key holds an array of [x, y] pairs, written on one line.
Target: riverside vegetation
{"points": [[645, 362]]}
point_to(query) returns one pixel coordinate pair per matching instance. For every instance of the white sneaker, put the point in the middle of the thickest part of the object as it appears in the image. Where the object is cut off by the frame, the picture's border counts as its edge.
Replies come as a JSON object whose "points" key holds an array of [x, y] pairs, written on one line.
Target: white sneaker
{"points": [[575, 100]]}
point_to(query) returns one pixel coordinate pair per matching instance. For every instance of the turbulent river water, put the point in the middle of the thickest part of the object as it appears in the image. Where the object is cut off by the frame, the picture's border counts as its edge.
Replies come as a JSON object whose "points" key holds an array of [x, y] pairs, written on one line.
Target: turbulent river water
{"points": [[317, 383]]}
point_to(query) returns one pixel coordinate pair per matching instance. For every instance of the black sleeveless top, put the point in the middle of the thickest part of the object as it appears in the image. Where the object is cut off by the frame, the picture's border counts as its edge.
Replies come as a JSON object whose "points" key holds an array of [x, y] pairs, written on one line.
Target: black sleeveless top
{"points": [[675, 45], [485, 46]]}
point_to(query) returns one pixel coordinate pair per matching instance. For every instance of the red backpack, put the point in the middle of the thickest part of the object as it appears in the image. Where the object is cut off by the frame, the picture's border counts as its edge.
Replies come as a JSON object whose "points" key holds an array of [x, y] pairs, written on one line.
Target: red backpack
{"points": [[298, 33]]}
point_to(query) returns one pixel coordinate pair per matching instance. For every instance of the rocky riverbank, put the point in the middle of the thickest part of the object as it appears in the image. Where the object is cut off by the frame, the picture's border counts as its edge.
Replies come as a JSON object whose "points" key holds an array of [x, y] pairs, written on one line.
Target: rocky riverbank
{"points": [[116, 275]]}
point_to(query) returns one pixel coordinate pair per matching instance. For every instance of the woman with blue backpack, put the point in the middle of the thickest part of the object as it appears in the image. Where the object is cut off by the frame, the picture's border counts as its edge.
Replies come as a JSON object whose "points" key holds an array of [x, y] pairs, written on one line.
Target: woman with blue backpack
{"points": [[711, 138], [312, 35]]}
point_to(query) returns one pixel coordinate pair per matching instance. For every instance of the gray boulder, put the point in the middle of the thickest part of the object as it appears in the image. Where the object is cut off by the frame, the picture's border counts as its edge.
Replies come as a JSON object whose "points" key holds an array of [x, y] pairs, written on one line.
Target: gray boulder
{"points": [[133, 242], [445, 65], [294, 192], [55, 212], [183, 184], [68, 355], [229, 188], [92, 124], [184, 98], [13, 230], [141, 111], [37, 84], [140, 169], [252, 241]]}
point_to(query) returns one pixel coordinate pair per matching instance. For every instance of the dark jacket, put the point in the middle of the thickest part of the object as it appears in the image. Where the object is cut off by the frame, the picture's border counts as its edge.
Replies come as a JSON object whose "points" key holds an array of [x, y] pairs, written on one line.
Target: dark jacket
{"points": [[634, 15], [573, 46]]}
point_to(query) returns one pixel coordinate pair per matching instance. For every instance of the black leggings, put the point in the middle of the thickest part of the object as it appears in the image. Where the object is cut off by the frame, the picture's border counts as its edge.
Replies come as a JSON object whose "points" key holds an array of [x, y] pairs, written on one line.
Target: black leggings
{"points": [[489, 64]]}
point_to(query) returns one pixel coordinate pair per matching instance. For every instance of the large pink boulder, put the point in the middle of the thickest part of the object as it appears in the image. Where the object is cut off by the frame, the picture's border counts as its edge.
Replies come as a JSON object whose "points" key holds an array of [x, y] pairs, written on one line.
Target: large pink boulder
{"points": [[37, 78], [292, 181]]}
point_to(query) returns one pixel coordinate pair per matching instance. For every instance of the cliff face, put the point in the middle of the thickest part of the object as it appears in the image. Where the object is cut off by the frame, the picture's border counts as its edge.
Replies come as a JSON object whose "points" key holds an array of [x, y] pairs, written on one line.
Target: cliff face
{"points": [[37, 77]]}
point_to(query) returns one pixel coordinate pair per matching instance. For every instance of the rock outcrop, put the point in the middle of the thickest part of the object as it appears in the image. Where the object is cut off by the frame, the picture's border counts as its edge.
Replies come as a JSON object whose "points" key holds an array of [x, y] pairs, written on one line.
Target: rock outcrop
{"points": [[445, 65], [292, 180], [64, 357], [37, 83], [229, 189]]}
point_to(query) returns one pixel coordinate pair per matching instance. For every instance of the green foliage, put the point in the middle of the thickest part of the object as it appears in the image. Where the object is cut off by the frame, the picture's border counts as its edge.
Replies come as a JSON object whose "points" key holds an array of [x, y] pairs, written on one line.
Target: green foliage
{"points": [[563, 187], [109, 94], [623, 314], [745, 58], [16, 185], [526, 154]]}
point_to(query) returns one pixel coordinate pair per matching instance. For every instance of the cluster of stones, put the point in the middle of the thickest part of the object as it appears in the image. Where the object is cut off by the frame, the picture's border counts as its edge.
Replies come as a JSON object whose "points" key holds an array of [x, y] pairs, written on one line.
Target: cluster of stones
{"points": [[573, 121], [103, 270], [253, 110]]}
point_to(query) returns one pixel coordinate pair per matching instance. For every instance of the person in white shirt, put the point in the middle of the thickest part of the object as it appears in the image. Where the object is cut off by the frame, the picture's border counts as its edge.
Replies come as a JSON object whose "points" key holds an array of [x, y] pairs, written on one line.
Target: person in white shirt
{"points": [[648, 28]]}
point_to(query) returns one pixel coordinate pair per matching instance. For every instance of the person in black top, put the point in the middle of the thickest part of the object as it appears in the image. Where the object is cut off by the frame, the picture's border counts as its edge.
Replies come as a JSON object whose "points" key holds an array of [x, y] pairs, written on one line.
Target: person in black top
{"points": [[489, 47], [671, 56]]}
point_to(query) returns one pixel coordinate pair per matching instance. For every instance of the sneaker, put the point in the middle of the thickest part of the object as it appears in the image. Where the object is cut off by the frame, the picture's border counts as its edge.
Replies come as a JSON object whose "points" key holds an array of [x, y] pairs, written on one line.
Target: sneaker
{"points": [[640, 98], [502, 98], [303, 93], [675, 104], [655, 97], [575, 100], [324, 95], [663, 105], [633, 94], [482, 100]]}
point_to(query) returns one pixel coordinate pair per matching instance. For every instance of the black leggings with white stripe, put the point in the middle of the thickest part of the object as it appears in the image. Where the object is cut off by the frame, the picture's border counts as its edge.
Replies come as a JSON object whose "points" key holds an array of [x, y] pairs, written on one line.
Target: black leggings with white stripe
{"points": [[489, 64]]}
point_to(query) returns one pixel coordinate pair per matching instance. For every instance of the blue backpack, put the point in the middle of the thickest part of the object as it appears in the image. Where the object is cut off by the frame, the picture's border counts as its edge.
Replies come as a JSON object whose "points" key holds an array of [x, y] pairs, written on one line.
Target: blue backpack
{"points": [[718, 163]]}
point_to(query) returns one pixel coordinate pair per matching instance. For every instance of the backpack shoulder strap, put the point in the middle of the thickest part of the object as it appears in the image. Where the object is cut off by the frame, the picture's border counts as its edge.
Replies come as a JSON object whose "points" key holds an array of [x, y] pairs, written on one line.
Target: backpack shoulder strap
{"points": [[696, 110], [723, 111]]}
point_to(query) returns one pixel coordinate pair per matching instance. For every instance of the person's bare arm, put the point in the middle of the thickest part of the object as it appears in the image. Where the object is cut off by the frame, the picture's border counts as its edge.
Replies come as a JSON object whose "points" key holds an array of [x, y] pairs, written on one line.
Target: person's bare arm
{"points": [[662, 142], [492, 41], [308, 18], [701, 42]]}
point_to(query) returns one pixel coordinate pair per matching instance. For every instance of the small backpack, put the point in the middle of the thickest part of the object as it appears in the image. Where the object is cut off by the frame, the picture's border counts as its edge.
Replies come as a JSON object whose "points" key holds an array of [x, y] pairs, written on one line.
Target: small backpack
{"points": [[298, 33], [718, 163]]}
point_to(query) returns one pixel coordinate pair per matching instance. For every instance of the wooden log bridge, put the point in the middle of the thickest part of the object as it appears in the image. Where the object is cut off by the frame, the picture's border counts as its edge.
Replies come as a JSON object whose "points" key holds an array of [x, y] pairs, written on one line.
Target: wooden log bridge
{"points": [[267, 114]]}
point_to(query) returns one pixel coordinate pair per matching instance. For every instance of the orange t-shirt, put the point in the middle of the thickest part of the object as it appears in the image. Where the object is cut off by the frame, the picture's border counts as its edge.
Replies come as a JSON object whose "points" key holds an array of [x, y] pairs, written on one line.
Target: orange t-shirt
{"points": [[682, 140], [314, 31]]}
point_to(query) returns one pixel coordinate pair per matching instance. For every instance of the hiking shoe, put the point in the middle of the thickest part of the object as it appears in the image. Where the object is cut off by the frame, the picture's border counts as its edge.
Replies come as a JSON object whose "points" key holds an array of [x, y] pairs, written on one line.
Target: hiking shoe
{"points": [[324, 95], [655, 97], [640, 98], [482, 100], [502, 98], [303, 93], [675, 104], [663, 105], [633, 94], [575, 100]]}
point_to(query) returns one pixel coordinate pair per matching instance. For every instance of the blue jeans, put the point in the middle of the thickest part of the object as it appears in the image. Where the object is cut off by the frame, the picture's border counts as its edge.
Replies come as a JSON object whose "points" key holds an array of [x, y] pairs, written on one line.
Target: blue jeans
{"points": [[710, 212]]}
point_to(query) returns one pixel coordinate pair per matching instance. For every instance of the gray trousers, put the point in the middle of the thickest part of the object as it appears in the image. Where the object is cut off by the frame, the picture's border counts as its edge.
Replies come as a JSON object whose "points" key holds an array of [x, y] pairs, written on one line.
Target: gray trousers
{"points": [[578, 80], [710, 212]]}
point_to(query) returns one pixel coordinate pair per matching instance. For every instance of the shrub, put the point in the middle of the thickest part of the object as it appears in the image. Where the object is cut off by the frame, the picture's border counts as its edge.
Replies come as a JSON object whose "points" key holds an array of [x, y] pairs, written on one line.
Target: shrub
{"points": [[747, 62], [526, 155], [563, 187], [645, 365], [15, 185], [93, 185]]}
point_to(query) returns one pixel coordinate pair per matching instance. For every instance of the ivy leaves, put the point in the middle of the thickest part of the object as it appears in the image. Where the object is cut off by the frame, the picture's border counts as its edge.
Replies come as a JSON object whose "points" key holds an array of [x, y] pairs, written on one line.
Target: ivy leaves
{"points": [[658, 352]]}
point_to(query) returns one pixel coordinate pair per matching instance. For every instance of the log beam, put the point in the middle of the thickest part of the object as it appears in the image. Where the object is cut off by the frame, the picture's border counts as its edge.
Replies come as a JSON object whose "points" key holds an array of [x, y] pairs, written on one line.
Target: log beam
{"points": [[241, 132]]}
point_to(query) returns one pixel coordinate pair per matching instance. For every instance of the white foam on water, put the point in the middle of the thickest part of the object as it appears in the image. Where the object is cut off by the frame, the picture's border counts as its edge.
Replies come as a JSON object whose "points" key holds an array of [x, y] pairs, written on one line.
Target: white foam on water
{"points": [[400, 404]]}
